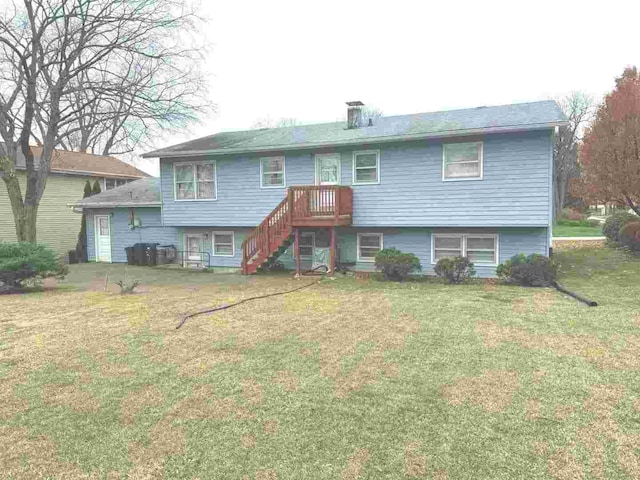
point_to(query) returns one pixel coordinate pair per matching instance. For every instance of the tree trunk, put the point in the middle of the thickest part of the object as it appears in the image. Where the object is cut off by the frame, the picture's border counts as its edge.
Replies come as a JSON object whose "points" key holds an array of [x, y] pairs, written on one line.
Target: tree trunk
{"points": [[633, 206], [24, 216]]}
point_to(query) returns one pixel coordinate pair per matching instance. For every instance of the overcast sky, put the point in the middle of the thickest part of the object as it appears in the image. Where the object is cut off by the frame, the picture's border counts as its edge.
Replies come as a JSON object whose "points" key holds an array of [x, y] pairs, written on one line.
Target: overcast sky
{"points": [[304, 60]]}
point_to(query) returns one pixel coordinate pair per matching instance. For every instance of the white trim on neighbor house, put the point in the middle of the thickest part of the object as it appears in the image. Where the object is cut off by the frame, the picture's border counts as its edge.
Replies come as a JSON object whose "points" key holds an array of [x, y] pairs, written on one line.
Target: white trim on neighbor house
{"points": [[354, 167], [316, 168], [368, 259], [213, 244], [463, 245], [463, 179], [96, 238], [284, 172], [195, 181]]}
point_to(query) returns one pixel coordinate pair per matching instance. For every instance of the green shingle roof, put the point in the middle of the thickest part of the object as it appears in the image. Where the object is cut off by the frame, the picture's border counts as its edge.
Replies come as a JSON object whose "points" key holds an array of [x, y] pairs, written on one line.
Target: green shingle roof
{"points": [[480, 120]]}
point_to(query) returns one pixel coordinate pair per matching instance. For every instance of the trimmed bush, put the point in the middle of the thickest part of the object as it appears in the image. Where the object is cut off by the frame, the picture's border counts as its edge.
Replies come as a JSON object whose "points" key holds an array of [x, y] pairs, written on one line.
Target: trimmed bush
{"points": [[396, 265], [614, 224], [571, 214], [593, 223], [24, 261], [528, 271], [455, 269], [630, 236]]}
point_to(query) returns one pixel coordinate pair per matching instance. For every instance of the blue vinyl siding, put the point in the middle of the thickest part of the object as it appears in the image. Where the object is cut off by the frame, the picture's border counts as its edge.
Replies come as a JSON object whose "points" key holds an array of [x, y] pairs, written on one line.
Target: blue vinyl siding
{"points": [[514, 191], [511, 241], [239, 235], [122, 236]]}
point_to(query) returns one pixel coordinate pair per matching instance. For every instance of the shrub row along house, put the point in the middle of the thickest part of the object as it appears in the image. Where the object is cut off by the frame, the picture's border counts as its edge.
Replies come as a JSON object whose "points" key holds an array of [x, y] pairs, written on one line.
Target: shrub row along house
{"points": [[57, 225], [474, 182]]}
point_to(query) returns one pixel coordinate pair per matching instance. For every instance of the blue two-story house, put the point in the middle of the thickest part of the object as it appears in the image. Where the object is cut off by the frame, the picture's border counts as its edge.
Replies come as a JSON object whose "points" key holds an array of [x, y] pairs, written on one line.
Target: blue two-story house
{"points": [[474, 182]]}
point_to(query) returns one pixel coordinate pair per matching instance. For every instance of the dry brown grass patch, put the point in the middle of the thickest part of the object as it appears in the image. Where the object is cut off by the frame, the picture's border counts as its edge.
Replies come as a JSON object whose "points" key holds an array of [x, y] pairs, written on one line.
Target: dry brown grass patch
{"points": [[493, 390], [252, 391], [71, 396], [203, 404], [164, 440], [543, 300], [135, 401], [538, 375], [490, 284], [248, 441], [270, 427], [415, 465], [519, 305], [533, 408], [636, 320], [356, 464], [287, 379], [540, 448], [563, 412], [562, 465], [440, 475], [267, 474]]}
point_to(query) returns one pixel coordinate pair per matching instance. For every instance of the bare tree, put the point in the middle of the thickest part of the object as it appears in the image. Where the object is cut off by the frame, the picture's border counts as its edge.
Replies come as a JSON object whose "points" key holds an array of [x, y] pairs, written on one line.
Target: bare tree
{"points": [[578, 108], [97, 75], [268, 122]]}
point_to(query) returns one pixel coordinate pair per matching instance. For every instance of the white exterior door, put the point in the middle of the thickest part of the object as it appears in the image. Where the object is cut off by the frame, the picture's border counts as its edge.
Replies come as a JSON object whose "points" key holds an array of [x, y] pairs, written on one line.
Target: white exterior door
{"points": [[103, 238], [193, 251], [328, 169]]}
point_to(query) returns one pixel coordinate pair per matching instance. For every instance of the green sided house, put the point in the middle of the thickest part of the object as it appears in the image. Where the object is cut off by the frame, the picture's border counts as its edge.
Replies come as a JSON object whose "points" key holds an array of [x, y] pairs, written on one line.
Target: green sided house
{"points": [[476, 182], [58, 225]]}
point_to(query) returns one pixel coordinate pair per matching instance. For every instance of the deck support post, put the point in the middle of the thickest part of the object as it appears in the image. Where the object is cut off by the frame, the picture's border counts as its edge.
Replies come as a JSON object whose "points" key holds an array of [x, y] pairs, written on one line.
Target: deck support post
{"points": [[333, 252], [296, 250]]}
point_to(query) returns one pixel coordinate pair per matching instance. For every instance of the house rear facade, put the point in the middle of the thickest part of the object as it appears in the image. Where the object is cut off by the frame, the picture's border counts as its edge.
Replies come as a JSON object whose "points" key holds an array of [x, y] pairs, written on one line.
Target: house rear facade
{"points": [[58, 225], [474, 182]]}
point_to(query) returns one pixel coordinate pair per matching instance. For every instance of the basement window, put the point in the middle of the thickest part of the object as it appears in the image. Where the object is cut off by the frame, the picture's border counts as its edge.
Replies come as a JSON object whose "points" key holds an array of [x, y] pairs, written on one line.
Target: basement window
{"points": [[479, 248], [223, 245], [368, 245]]}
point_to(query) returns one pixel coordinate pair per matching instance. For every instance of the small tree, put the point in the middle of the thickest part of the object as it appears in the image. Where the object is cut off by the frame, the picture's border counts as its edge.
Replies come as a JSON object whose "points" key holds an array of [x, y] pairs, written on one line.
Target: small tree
{"points": [[81, 246], [455, 269], [610, 156], [96, 188]]}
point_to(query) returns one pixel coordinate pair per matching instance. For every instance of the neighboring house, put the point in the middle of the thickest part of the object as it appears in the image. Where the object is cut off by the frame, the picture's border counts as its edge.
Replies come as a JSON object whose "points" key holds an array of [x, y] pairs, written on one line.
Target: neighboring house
{"points": [[57, 225], [474, 182]]}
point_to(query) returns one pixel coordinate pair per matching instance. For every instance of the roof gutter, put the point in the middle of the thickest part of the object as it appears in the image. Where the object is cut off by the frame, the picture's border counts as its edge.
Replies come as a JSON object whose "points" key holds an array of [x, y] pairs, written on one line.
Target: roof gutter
{"points": [[89, 173], [356, 141], [113, 204]]}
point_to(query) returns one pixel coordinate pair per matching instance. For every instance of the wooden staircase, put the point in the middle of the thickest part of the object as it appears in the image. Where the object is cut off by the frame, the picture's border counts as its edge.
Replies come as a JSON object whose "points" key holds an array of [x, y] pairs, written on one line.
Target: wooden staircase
{"points": [[307, 206]]}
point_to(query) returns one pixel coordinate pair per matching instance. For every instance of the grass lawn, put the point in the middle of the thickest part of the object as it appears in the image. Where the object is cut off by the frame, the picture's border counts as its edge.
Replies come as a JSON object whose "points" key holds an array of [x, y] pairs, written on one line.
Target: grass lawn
{"points": [[571, 231], [347, 379]]}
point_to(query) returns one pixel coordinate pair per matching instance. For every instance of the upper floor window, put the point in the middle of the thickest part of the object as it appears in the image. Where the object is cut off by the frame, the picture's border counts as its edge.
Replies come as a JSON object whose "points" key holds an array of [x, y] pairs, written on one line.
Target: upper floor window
{"points": [[272, 172], [195, 180], [110, 183], [366, 167], [462, 161]]}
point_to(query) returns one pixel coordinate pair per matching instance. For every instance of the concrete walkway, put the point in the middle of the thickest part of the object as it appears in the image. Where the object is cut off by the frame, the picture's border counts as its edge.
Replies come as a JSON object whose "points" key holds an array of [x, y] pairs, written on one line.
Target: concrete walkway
{"points": [[580, 239]]}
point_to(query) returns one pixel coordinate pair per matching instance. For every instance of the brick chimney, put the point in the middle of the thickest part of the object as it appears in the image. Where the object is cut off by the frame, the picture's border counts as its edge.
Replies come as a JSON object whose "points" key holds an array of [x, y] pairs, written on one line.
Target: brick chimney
{"points": [[354, 114]]}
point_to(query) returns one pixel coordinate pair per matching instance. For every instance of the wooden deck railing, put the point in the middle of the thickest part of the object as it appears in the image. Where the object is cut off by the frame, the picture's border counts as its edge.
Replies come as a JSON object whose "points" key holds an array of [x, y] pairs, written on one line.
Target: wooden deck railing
{"points": [[321, 205]]}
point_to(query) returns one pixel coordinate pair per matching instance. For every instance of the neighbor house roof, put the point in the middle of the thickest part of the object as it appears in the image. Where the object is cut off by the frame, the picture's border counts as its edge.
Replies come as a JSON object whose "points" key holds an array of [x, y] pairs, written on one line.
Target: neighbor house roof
{"points": [[139, 193], [78, 163], [471, 121]]}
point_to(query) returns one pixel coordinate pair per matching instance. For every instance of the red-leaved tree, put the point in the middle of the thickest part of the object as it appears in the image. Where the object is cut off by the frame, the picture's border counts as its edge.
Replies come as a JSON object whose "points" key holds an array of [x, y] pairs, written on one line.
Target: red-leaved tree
{"points": [[610, 154]]}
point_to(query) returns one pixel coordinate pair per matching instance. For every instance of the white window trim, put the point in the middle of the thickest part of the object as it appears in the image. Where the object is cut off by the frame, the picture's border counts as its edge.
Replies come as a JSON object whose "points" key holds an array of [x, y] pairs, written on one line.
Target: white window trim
{"points": [[213, 243], [368, 260], [462, 179], [284, 173], [463, 237], [185, 251], [215, 181], [317, 169], [353, 167]]}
